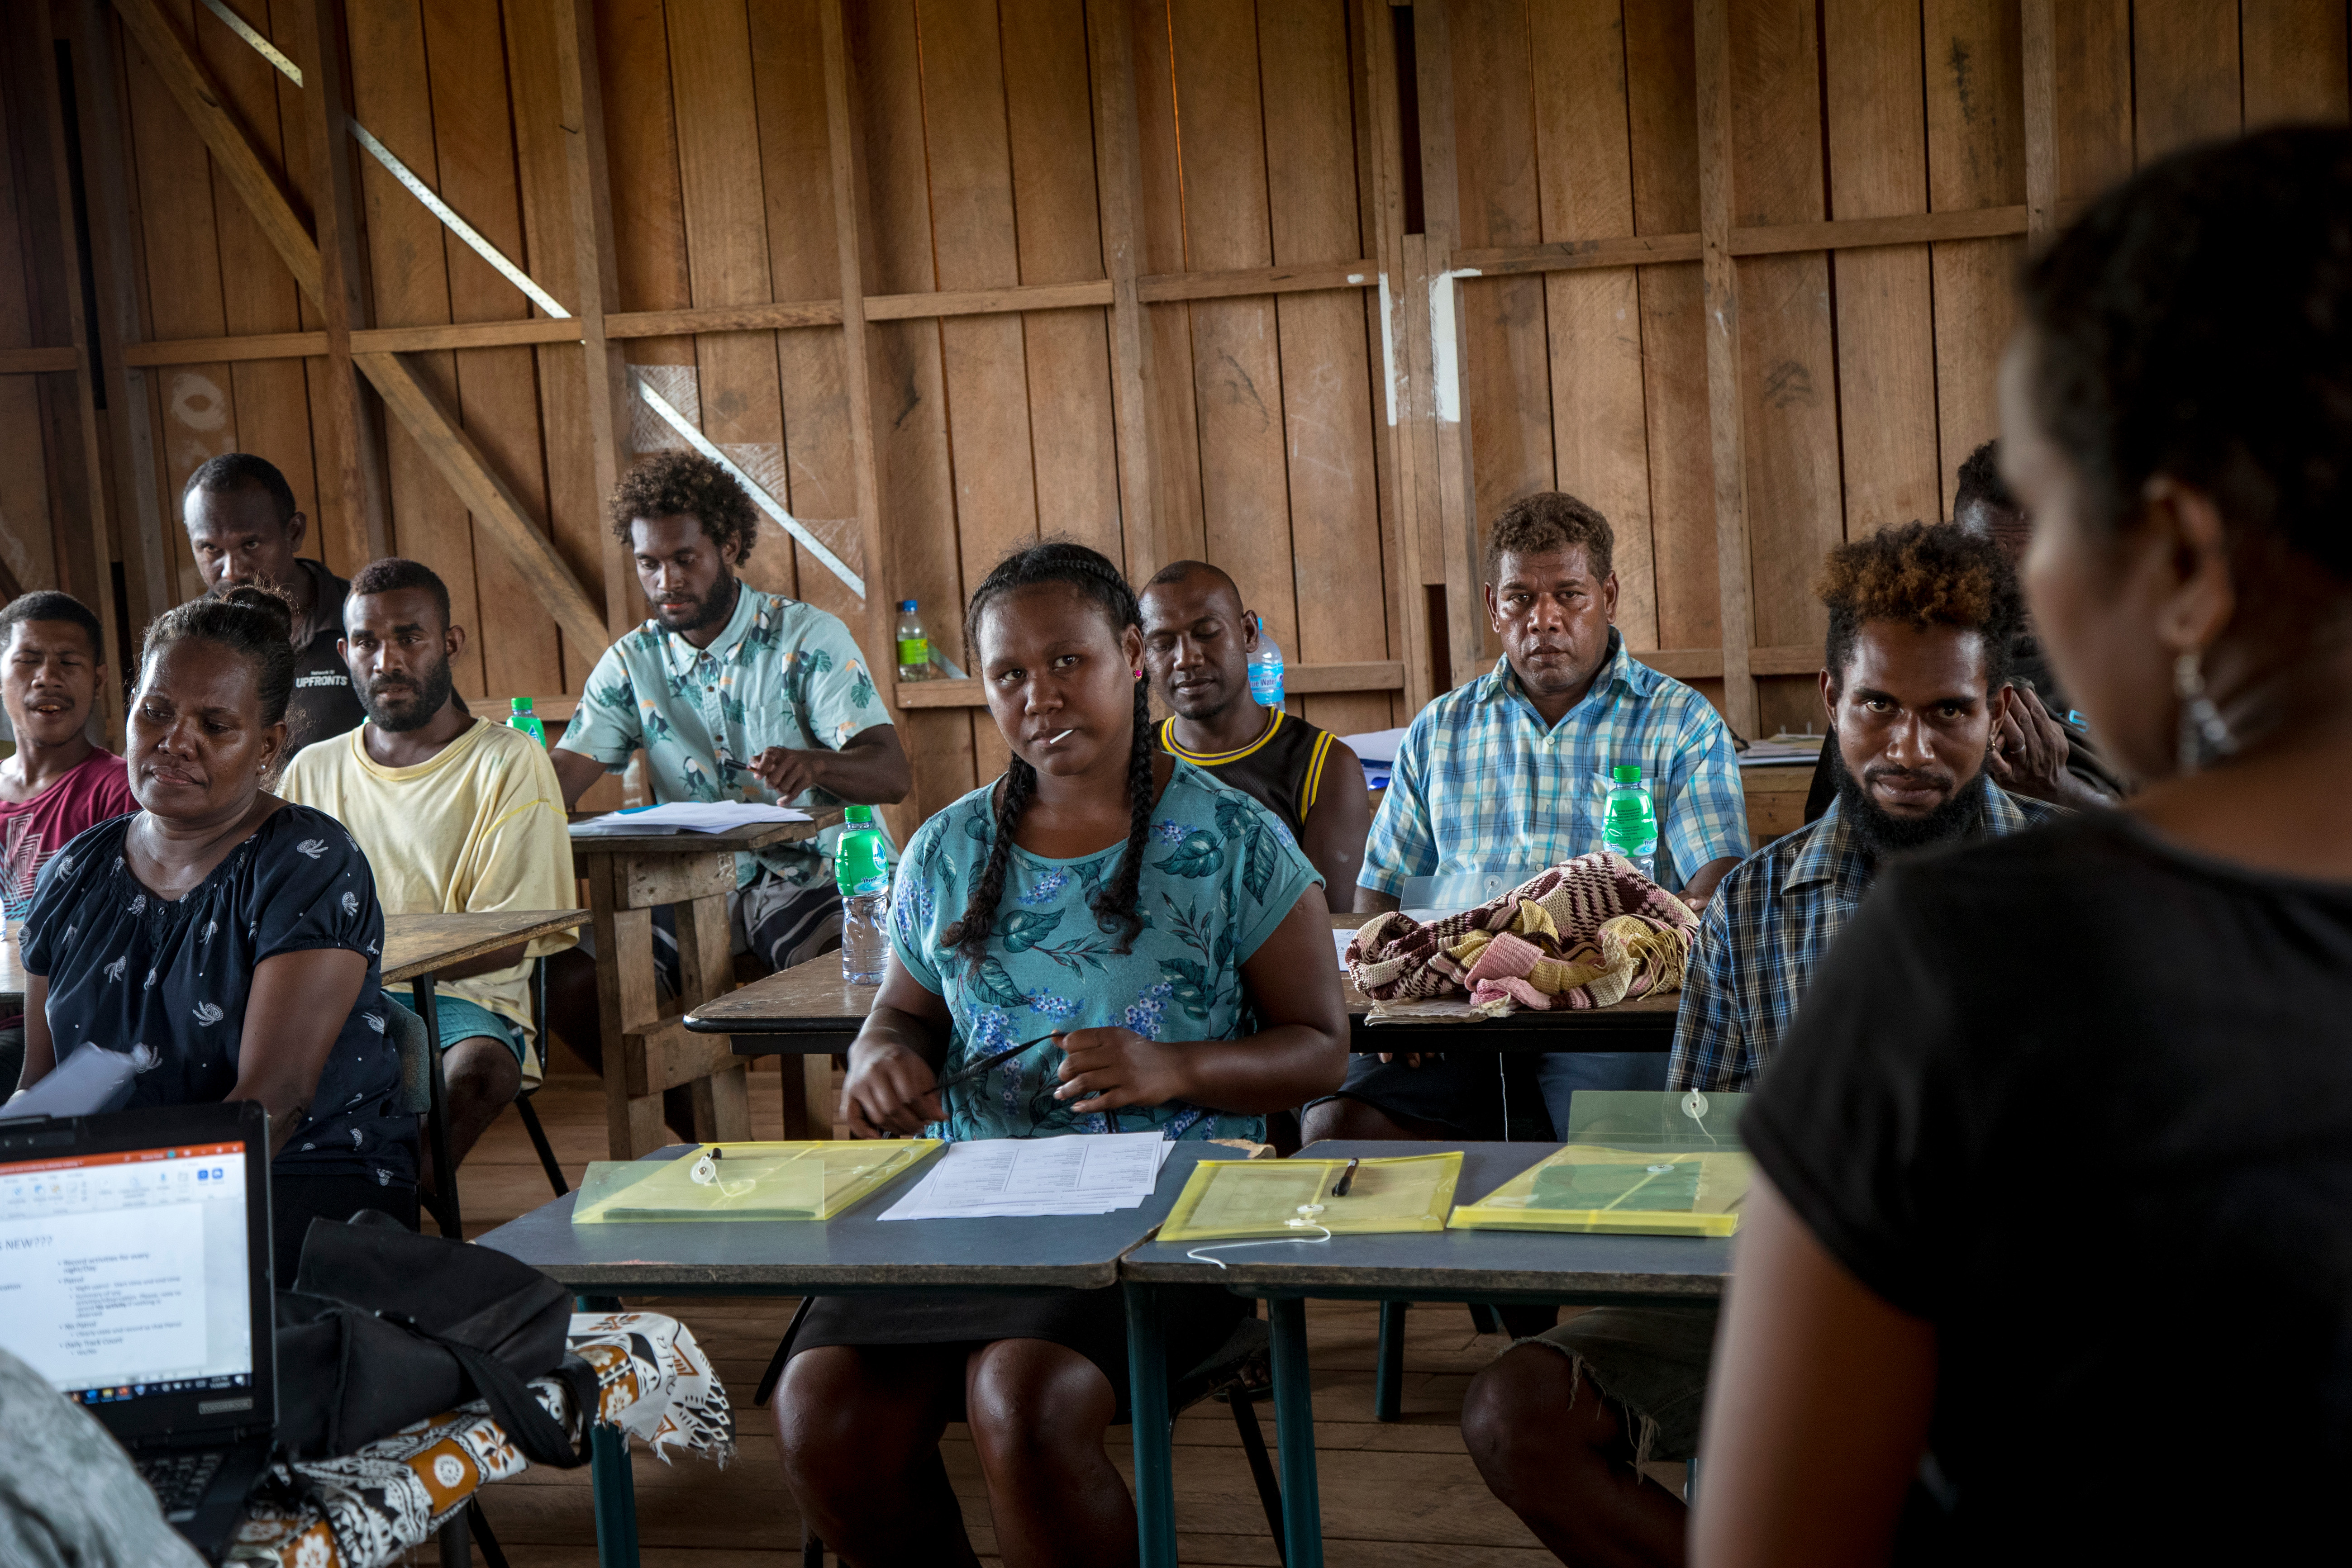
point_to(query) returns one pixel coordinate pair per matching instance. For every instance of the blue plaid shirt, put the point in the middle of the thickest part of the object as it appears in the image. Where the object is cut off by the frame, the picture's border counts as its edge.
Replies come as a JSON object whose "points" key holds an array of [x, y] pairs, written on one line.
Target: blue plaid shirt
{"points": [[1764, 931], [1480, 785]]}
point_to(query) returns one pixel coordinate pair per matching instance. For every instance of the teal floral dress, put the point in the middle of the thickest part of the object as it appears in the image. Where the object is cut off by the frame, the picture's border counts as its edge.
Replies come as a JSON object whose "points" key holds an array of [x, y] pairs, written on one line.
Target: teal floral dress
{"points": [[1220, 872]]}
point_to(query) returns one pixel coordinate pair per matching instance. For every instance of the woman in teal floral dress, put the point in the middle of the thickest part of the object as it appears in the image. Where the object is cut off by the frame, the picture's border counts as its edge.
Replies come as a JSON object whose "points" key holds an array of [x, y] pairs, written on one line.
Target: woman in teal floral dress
{"points": [[1169, 936]]}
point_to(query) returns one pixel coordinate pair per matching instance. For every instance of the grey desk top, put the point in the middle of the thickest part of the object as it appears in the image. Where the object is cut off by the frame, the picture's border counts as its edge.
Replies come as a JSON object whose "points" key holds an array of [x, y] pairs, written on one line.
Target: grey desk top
{"points": [[1448, 1263], [853, 1250]]}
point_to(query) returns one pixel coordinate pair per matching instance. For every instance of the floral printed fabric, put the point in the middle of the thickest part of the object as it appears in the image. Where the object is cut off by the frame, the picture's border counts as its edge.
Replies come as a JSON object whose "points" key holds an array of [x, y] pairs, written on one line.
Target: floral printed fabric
{"points": [[1220, 872], [370, 1507], [779, 673], [167, 981]]}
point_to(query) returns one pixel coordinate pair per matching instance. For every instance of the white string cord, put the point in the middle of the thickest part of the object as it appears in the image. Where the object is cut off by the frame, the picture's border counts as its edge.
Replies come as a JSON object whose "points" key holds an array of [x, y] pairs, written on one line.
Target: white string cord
{"points": [[1195, 1254]]}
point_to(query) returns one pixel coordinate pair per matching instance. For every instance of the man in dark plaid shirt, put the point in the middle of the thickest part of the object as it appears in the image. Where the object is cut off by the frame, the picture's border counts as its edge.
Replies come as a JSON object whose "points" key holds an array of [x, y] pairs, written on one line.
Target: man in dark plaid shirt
{"points": [[1916, 682]]}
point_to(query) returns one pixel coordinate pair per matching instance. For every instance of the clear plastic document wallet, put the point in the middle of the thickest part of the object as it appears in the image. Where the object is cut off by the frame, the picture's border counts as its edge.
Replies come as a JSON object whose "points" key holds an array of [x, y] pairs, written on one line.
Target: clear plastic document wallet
{"points": [[1650, 1163], [1226, 1198], [744, 1181]]}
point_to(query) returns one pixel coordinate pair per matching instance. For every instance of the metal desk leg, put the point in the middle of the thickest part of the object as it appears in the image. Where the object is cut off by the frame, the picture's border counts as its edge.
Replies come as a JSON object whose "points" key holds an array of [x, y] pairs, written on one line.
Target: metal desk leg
{"points": [[445, 1174], [1294, 1413], [1147, 1383], [608, 1469], [1388, 1374]]}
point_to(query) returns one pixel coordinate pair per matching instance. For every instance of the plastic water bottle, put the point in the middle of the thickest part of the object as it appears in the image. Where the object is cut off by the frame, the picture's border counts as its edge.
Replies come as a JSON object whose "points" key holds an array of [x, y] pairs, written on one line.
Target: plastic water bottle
{"points": [[914, 648], [1631, 826], [519, 717], [861, 870], [1265, 670]]}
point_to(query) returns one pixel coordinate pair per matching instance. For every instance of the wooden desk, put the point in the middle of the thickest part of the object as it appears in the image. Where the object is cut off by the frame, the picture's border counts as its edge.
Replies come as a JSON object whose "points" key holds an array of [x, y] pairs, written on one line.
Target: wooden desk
{"points": [[1490, 1266], [414, 947], [810, 1011], [1776, 800], [646, 1049]]}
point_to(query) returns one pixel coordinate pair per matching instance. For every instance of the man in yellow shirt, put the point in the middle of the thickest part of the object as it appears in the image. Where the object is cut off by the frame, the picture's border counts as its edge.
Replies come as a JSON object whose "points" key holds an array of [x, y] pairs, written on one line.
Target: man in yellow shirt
{"points": [[455, 814]]}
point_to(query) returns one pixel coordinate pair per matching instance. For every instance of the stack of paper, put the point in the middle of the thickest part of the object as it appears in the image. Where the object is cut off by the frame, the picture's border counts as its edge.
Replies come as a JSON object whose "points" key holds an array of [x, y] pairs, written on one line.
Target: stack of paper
{"points": [[1079, 1173], [690, 816]]}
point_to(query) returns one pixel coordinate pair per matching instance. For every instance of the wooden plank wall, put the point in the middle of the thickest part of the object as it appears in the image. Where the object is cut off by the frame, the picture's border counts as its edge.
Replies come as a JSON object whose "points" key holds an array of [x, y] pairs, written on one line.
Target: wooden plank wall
{"points": [[1118, 266]]}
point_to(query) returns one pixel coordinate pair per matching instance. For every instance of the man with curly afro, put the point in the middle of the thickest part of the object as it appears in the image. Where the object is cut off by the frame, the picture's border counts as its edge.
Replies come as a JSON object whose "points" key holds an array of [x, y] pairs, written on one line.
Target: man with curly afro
{"points": [[1917, 680], [734, 694]]}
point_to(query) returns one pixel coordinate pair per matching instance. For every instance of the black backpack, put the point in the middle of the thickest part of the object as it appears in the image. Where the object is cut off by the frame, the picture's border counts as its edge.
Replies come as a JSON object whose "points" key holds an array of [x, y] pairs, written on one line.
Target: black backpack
{"points": [[384, 1328]]}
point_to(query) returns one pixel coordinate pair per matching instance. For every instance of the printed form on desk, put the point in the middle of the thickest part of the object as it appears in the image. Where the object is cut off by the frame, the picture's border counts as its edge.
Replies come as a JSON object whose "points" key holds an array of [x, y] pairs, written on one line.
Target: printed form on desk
{"points": [[1078, 1172], [689, 817]]}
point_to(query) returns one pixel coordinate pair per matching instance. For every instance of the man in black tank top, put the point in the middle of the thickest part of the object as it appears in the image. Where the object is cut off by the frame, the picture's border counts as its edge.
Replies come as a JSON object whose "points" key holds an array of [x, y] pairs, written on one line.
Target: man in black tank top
{"points": [[1196, 645]]}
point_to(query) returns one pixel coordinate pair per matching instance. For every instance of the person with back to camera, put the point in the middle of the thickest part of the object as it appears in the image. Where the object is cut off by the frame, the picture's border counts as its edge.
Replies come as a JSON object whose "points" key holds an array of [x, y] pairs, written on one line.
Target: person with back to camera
{"points": [[228, 940], [1169, 930], [2053, 1216]]}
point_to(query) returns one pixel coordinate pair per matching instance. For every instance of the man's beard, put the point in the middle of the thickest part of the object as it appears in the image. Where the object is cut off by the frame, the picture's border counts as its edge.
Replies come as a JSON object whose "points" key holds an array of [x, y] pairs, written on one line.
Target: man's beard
{"points": [[433, 695], [711, 610], [1882, 833]]}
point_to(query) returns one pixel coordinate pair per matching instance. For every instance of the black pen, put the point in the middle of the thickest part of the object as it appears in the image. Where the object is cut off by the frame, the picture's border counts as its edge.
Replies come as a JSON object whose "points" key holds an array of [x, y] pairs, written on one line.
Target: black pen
{"points": [[982, 1068], [1347, 1179]]}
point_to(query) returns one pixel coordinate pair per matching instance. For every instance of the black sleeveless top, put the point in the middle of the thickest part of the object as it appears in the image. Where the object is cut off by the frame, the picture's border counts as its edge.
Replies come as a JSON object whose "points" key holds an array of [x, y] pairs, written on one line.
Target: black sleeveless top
{"points": [[1282, 768]]}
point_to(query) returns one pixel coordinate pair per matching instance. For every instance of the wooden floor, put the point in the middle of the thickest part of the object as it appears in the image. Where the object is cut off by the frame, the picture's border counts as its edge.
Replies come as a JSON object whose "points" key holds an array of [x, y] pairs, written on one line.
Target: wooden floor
{"points": [[1394, 1496]]}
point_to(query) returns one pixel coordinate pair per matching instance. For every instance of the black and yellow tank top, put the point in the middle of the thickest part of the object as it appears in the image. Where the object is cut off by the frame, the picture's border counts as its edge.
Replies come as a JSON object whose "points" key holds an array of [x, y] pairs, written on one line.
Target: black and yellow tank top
{"points": [[1283, 767]]}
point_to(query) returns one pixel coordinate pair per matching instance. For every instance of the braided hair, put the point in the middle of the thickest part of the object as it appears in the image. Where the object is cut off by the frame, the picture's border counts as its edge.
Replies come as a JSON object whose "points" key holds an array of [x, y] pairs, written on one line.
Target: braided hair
{"points": [[1093, 575]]}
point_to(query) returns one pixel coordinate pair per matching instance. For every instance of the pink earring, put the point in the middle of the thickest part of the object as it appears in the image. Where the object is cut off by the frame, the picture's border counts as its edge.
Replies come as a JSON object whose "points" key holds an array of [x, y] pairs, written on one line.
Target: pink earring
{"points": [[1139, 675]]}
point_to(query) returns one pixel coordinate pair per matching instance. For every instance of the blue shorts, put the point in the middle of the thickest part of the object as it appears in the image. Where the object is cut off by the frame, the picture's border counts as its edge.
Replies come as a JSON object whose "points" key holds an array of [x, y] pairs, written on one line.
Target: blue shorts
{"points": [[461, 1020]]}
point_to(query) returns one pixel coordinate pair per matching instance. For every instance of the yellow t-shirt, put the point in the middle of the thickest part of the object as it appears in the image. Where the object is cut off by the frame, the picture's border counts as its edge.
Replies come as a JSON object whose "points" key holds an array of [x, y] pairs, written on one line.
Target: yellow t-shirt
{"points": [[478, 826]]}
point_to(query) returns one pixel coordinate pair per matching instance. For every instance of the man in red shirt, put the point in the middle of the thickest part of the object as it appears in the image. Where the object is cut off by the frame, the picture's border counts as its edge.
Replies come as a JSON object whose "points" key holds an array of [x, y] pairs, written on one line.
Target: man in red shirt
{"points": [[59, 781]]}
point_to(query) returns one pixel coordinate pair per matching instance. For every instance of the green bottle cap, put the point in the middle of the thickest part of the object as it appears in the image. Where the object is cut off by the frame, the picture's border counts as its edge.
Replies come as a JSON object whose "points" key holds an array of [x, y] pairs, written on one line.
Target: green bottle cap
{"points": [[1627, 775], [519, 704], [857, 814]]}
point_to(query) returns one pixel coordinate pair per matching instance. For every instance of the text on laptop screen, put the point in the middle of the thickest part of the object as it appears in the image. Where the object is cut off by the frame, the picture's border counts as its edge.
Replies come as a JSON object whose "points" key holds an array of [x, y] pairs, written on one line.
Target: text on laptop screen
{"points": [[124, 1275]]}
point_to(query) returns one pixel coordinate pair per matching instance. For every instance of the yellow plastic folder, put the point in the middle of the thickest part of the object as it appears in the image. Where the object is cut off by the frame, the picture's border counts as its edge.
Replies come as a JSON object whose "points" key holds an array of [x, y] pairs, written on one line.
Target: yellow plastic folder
{"points": [[1637, 1162], [1234, 1198], [744, 1181]]}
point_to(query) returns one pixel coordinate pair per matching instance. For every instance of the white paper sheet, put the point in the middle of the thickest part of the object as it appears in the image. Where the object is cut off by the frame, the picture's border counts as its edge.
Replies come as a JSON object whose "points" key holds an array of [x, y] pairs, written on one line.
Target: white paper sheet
{"points": [[690, 816], [1376, 745], [1081, 1173], [1339, 940]]}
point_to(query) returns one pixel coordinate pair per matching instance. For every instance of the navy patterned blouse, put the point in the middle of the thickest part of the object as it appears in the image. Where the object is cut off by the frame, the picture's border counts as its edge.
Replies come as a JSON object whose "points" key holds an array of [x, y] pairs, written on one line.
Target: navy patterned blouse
{"points": [[167, 981]]}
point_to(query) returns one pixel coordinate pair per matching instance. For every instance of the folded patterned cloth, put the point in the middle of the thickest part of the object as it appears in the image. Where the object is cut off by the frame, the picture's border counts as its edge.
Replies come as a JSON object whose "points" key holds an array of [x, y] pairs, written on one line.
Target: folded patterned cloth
{"points": [[1584, 933]]}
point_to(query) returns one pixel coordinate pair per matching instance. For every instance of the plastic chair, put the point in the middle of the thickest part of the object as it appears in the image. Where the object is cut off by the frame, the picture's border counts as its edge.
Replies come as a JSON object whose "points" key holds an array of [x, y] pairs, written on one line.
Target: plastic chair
{"points": [[1236, 1372], [522, 1099], [423, 1093]]}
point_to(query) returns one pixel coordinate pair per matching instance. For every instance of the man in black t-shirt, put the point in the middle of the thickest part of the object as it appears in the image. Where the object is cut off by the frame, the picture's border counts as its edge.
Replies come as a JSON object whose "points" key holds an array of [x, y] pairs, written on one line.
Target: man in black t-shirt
{"points": [[1918, 683], [243, 527]]}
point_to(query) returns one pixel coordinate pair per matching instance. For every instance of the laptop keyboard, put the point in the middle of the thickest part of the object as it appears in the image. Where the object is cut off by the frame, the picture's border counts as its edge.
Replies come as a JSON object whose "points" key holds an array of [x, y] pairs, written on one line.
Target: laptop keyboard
{"points": [[179, 1480]]}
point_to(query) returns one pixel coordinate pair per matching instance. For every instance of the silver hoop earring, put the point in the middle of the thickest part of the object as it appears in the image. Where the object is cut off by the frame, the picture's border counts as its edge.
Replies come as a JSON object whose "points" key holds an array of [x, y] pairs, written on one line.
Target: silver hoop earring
{"points": [[2204, 734]]}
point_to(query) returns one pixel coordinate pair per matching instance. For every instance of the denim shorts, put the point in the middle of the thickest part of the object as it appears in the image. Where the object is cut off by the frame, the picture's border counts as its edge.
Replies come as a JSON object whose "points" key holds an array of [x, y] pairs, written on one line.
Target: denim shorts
{"points": [[1649, 1362], [461, 1020]]}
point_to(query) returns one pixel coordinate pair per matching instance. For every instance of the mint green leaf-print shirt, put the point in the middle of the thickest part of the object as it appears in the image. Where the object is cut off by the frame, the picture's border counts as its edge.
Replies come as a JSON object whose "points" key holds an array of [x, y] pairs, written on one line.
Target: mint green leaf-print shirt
{"points": [[1220, 872], [780, 673]]}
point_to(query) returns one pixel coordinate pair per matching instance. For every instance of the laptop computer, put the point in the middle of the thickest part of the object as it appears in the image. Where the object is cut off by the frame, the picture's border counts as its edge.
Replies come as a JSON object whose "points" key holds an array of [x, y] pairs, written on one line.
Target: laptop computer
{"points": [[135, 1276]]}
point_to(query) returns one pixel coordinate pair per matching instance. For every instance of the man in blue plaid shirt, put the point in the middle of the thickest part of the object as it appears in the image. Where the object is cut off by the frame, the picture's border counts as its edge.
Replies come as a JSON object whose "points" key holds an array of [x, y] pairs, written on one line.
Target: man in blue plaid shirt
{"points": [[1509, 774], [1922, 621]]}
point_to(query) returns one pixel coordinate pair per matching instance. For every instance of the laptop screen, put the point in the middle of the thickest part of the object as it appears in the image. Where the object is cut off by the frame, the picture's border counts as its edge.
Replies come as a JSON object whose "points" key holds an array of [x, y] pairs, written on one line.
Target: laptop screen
{"points": [[124, 1276]]}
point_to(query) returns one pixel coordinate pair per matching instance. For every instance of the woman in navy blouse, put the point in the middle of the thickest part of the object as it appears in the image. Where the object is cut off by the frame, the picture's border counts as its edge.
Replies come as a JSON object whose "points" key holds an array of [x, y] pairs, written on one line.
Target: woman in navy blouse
{"points": [[228, 940]]}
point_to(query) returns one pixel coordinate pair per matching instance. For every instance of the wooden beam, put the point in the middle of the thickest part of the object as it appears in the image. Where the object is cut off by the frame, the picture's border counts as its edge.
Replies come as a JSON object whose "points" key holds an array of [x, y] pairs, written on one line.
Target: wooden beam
{"points": [[844, 148], [1331, 274], [783, 315], [597, 273], [465, 335], [41, 361], [354, 439], [1712, 26], [1707, 663], [1398, 455], [114, 263], [987, 301], [496, 512], [1856, 234], [1119, 195], [225, 350], [193, 89], [33, 31], [1434, 294], [2038, 27]]}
